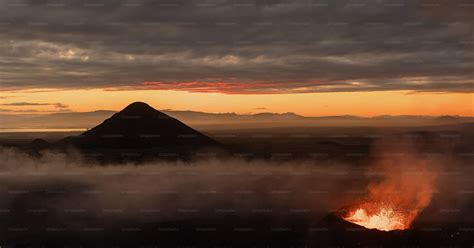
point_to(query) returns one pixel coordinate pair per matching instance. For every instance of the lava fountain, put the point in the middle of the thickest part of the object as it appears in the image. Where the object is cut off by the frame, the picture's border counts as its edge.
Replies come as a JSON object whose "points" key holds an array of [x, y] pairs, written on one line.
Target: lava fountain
{"points": [[395, 200], [380, 217]]}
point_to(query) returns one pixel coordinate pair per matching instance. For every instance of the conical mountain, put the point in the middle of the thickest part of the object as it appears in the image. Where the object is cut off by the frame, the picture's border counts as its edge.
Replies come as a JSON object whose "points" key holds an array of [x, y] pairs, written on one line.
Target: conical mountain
{"points": [[143, 128]]}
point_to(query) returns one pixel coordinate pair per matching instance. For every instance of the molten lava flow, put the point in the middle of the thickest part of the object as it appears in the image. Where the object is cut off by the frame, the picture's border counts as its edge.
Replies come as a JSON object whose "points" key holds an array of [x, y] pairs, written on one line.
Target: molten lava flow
{"points": [[394, 200], [385, 219]]}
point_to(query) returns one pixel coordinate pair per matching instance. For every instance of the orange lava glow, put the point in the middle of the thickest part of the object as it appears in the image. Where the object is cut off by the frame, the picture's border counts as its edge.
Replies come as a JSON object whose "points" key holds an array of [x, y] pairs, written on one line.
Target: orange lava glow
{"points": [[395, 199], [384, 218]]}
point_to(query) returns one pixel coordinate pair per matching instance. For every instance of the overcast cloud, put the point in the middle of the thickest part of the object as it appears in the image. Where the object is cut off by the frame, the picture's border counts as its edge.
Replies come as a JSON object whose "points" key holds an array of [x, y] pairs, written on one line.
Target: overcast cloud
{"points": [[235, 46]]}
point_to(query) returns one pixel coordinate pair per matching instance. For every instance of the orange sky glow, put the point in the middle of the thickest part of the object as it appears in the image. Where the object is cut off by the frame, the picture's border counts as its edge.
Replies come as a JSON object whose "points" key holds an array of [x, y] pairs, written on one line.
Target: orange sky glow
{"points": [[307, 104]]}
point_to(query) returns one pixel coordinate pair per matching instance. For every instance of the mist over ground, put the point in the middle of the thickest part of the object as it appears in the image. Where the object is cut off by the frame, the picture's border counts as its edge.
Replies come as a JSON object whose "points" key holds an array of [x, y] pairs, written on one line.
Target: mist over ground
{"points": [[62, 193]]}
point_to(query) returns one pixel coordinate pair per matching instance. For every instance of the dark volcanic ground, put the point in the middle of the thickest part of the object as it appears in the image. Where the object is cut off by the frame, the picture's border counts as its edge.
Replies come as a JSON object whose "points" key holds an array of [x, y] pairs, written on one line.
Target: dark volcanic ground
{"points": [[283, 197], [238, 205]]}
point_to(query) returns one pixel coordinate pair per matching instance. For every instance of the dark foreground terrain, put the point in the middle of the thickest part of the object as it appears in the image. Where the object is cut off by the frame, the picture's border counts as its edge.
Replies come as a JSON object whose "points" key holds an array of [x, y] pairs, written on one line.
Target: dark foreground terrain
{"points": [[233, 208], [243, 232], [278, 189]]}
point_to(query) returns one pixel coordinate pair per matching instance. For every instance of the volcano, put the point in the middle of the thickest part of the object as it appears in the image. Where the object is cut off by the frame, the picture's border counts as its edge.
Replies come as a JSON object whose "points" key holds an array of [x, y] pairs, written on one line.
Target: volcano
{"points": [[140, 130]]}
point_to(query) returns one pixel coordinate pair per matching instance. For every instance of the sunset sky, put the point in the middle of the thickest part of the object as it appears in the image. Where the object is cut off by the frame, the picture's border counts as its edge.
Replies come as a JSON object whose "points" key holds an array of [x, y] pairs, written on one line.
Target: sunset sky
{"points": [[308, 104], [311, 57]]}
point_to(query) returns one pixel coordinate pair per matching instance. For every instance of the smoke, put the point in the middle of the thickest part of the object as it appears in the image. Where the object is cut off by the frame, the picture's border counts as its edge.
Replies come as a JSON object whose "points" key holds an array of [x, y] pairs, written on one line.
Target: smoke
{"points": [[64, 189]]}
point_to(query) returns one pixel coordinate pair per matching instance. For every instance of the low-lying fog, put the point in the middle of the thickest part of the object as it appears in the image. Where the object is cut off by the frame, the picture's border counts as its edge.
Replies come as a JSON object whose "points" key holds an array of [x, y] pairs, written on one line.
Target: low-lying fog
{"points": [[62, 191]]}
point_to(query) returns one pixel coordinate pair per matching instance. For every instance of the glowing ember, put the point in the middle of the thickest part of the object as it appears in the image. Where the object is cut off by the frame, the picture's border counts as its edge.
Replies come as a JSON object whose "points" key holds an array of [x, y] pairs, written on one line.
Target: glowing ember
{"points": [[385, 219]]}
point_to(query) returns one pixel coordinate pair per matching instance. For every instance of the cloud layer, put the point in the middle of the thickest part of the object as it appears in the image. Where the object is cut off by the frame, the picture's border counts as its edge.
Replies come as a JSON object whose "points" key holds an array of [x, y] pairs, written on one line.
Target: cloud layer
{"points": [[244, 47], [21, 104]]}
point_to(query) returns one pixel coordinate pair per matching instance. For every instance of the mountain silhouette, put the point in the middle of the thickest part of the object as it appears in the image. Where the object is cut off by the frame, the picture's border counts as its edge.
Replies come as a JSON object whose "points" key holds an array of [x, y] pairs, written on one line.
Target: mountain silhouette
{"points": [[140, 130]]}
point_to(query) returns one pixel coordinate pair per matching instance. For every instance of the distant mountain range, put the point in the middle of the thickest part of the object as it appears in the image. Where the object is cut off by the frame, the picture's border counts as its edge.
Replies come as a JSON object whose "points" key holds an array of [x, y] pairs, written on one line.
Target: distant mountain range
{"points": [[141, 133], [202, 120]]}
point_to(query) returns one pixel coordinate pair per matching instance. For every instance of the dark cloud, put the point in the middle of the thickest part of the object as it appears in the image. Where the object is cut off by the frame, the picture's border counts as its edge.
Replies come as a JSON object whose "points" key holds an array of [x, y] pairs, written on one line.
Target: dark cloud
{"points": [[33, 111], [243, 47], [56, 105]]}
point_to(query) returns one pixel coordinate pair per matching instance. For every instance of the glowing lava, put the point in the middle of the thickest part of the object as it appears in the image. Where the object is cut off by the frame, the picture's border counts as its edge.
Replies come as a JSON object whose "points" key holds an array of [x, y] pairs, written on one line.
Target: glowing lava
{"points": [[385, 219], [396, 197]]}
